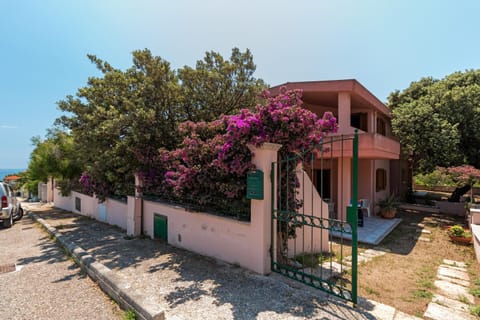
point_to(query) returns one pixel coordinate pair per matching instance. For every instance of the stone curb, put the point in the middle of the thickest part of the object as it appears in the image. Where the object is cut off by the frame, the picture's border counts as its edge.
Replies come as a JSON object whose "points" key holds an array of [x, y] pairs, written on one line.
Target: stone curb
{"points": [[111, 283]]}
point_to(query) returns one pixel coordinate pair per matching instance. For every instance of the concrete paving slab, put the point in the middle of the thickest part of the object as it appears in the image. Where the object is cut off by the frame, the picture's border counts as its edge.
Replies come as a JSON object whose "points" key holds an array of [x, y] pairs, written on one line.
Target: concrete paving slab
{"points": [[451, 303], [454, 291], [452, 272], [455, 263], [453, 280], [424, 239], [439, 312]]}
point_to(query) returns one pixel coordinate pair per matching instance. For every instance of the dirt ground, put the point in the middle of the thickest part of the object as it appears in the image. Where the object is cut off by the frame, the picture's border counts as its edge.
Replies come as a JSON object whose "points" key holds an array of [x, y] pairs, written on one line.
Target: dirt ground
{"points": [[403, 278]]}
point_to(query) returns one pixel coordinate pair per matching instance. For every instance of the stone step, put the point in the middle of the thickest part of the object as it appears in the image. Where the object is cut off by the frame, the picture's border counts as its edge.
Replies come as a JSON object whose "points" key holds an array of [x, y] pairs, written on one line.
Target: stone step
{"points": [[436, 311], [424, 239], [463, 283], [454, 291], [453, 272], [455, 263], [451, 303]]}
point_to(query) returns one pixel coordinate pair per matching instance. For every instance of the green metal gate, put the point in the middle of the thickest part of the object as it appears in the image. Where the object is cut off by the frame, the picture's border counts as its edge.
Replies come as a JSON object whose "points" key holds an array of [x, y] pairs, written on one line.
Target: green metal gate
{"points": [[309, 232]]}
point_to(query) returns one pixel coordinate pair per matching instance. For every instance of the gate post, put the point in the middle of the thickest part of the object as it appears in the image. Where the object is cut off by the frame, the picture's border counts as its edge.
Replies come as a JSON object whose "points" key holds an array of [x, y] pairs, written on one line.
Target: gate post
{"points": [[261, 210]]}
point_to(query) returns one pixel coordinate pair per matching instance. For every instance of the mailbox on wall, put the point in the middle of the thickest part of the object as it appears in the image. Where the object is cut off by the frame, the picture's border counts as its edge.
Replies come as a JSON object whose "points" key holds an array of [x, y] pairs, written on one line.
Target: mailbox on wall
{"points": [[255, 184]]}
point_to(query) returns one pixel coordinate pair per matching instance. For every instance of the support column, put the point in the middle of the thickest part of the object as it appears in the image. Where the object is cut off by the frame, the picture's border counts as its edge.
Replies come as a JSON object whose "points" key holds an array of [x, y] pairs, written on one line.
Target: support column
{"points": [[261, 210], [344, 186], [344, 112]]}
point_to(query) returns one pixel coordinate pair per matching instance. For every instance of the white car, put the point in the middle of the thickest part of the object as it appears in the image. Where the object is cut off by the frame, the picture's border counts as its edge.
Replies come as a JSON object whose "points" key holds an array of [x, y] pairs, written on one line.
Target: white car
{"points": [[10, 207]]}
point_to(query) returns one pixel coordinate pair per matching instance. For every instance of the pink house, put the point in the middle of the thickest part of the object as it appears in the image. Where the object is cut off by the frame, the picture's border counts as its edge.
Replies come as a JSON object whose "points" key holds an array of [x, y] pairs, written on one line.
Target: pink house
{"points": [[380, 171]]}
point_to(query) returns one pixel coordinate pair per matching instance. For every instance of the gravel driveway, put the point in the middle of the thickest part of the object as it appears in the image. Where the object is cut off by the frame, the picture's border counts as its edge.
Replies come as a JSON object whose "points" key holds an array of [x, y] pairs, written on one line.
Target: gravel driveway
{"points": [[48, 285]]}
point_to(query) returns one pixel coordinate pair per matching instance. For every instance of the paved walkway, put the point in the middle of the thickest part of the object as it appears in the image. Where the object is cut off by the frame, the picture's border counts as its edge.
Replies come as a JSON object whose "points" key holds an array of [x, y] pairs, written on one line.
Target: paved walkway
{"points": [[454, 300], [188, 286]]}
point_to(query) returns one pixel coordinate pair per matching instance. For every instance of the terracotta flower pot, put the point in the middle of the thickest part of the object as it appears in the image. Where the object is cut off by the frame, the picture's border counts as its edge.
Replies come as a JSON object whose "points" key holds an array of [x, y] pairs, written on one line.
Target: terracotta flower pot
{"points": [[389, 214], [462, 240]]}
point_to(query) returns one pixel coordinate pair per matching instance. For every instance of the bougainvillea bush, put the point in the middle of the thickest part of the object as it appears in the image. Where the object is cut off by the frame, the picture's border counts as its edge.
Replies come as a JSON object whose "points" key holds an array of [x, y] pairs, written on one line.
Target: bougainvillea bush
{"points": [[210, 166]]}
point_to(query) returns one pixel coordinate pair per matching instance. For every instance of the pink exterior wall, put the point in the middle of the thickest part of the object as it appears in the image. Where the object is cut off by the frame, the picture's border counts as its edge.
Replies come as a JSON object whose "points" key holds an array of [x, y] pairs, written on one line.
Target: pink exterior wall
{"points": [[310, 239], [380, 164], [366, 182], [218, 237]]}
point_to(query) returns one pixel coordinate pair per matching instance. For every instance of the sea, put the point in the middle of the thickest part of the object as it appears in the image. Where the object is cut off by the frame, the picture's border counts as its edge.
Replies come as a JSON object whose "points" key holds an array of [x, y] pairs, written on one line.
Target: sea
{"points": [[6, 172]]}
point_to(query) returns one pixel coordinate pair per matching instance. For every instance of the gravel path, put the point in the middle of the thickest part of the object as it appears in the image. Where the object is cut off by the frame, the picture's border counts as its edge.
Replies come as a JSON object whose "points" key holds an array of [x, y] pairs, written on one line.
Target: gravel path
{"points": [[190, 286], [48, 285]]}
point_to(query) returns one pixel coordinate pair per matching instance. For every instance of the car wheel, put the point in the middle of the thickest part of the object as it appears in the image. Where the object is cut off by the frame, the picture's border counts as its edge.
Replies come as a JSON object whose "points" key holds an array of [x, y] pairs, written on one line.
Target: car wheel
{"points": [[8, 223], [19, 214]]}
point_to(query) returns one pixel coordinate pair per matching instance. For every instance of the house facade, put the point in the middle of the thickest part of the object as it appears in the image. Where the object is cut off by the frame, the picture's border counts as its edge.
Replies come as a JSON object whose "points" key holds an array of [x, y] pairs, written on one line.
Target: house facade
{"points": [[381, 173]]}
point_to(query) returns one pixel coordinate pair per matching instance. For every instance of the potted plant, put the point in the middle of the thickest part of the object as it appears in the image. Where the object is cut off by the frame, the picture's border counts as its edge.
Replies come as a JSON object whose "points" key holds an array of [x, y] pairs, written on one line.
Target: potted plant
{"points": [[460, 235], [388, 206]]}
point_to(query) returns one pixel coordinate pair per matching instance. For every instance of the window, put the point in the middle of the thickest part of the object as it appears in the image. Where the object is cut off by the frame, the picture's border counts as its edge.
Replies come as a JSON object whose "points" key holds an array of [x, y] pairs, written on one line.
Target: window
{"points": [[381, 127], [381, 180], [78, 204], [359, 121]]}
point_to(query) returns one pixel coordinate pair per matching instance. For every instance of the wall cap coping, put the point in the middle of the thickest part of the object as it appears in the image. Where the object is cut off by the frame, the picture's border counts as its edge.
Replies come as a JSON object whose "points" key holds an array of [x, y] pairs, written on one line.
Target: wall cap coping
{"points": [[265, 146]]}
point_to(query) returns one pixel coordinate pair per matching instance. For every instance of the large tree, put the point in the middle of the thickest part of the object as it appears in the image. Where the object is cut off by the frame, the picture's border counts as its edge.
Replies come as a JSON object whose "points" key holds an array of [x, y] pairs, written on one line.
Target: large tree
{"points": [[53, 157], [437, 121], [218, 86], [122, 117], [120, 120]]}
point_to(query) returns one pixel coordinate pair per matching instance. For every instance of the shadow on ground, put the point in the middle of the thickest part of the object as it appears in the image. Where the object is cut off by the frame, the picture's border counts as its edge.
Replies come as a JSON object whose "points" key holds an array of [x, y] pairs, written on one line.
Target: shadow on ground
{"points": [[180, 279]]}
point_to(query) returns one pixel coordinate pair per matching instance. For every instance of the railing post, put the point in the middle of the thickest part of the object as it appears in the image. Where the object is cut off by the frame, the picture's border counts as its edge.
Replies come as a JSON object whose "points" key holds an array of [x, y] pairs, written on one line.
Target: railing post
{"points": [[355, 218]]}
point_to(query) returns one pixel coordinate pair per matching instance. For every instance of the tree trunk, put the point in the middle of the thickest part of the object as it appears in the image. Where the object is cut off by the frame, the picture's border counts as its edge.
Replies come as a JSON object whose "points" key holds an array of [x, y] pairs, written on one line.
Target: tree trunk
{"points": [[458, 192]]}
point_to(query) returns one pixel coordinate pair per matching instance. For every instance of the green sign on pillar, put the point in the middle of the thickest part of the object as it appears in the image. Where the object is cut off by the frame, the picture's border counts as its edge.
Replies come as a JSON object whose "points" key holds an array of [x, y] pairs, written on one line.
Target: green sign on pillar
{"points": [[255, 185]]}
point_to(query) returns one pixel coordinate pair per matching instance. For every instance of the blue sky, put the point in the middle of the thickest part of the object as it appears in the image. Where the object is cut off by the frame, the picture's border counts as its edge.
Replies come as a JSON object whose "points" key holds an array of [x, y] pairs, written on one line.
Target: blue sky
{"points": [[383, 44]]}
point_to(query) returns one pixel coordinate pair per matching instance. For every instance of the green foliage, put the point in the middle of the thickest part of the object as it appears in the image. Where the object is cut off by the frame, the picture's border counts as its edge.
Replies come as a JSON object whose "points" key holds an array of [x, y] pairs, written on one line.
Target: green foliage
{"points": [[388, 203], [129, 315], [53, 157], [437, 121], [421, 293], [218, 86], [457, 231], [475, 310], [437, 177], [120, 120]]}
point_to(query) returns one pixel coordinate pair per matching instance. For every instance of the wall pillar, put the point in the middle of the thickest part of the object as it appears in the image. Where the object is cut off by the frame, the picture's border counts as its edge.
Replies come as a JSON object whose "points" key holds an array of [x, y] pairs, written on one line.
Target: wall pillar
{"points": [[261, 210], [50, 187], [135, 209]]}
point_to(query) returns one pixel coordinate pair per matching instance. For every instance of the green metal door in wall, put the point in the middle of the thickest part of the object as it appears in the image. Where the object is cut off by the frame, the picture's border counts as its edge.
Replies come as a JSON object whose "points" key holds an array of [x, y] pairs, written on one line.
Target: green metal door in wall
{"points": [[314, 239], [160, 227]]}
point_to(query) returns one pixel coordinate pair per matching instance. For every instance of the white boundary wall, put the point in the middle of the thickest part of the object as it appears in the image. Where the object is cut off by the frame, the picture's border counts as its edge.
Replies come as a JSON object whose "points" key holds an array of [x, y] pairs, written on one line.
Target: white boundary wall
{"points": [[111, 211]]}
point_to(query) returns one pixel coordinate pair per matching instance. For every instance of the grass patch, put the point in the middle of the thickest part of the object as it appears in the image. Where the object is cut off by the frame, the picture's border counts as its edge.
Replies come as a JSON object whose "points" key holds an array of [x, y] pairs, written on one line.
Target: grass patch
{"points": [[475, 310], [475, 292], [463, 299], [422, 294], [129, 315], [372, 291], [313, 260]]}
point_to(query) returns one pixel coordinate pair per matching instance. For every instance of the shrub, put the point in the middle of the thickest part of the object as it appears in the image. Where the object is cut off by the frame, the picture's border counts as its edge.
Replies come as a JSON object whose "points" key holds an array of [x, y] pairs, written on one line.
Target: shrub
{"points": [[210, 166]]}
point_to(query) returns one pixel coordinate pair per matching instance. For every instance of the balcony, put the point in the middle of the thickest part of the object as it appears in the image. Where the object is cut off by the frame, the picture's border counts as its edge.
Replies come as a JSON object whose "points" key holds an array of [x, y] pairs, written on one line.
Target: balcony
{"points": [[370, 146]]}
